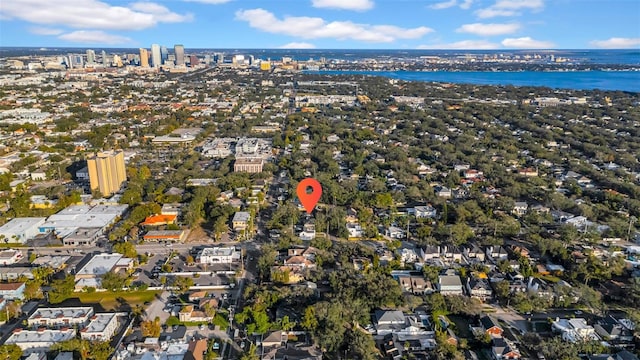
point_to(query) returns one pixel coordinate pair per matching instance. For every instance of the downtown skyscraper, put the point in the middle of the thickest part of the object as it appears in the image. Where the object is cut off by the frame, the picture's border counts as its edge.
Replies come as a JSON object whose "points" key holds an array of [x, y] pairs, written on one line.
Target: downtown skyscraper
{"points": [[144, 57], [179, 51], [156, 57]]}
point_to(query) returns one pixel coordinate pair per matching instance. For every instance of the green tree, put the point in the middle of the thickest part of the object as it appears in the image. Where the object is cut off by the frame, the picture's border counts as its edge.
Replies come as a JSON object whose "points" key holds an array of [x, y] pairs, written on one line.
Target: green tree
{"points": [[309, 320], [61, 289], [126, 248], [183, 283], [10, 352], [113, 281], [151, 328]]}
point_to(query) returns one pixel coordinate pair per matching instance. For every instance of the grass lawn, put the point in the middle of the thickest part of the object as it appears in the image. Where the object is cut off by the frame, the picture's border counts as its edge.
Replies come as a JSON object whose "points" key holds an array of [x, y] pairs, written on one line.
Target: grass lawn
{"points": [[114, 300]]}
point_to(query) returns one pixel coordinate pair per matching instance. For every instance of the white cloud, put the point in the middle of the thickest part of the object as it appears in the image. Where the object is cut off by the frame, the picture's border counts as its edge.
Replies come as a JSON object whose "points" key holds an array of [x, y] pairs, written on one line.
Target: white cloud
{"points": [[465, 4], [490, 12], [45, 31], [519, 4], [527, 43], [488, 29], [212, 2], [298, 45], [510, 8], [91, 14], [315, 27], [444, 4], [359, 5], [617, 43], [94, 37], [463, 45]]}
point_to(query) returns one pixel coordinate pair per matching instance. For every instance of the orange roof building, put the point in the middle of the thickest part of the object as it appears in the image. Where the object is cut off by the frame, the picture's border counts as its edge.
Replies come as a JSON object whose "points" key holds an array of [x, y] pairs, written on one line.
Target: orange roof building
{"points": [[157, 220]]}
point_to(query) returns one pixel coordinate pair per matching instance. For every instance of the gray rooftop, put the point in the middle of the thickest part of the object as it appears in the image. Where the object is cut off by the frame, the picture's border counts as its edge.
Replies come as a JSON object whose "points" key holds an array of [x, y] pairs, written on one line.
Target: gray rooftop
{"points": [[67, 312], [99, 323]]}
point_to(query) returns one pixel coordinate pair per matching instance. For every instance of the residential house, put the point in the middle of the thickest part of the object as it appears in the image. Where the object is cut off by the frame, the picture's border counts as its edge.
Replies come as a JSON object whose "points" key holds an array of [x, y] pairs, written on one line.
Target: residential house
{"points": [[520, 208], [425, 212], [520, 251], [473, 254], [496, 253], [417, 285], [274, 339], [429, 252], [197, 295], [12, 291], [443, 192], [449, 283], [189, 314], [196, 350], [352, 216], [611, 330], [490, 326], [479, 288], [574, 330], [451, 254], [394, 232], [501, 349], [408, 255], [308, 232], [240, 220], [300, 262], [355, 230], [389, 317]]}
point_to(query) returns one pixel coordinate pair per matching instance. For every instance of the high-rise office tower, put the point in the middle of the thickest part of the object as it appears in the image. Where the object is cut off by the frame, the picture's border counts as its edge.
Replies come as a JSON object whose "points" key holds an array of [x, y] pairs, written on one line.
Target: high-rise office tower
{"points": [[144, 57], [91, 56], [117, 60], [105, 59], [193, 60], [164, 54], [156, 58], [106, 171], [179, 51]]}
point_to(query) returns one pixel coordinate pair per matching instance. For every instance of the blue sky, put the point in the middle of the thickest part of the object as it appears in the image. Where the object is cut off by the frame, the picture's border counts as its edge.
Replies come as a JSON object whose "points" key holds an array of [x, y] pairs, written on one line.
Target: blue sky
{"points": [[335, 24]]}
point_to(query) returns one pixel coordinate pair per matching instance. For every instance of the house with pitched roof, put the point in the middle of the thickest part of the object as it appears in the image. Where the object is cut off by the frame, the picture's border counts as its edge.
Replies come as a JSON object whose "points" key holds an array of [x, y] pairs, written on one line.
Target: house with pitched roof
{"points": [[490, 326]]}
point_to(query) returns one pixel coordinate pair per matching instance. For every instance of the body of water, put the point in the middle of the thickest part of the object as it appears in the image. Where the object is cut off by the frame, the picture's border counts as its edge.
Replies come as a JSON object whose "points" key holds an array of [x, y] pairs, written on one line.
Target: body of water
{"points": [[576, 80]]}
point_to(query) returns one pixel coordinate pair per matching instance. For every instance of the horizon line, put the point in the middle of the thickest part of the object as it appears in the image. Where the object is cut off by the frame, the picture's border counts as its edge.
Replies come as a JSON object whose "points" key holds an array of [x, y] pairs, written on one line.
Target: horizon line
{"points": [[321, 49]]}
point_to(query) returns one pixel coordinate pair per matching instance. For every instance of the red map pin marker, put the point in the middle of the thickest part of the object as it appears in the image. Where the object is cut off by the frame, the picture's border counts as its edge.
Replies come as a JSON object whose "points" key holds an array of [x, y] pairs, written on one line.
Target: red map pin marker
{"points": [[309, 199]]}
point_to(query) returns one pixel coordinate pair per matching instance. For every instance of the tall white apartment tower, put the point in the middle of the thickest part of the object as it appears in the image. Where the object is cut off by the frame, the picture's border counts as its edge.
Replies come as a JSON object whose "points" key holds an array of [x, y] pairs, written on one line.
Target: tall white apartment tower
{"points": [[156, 59]]}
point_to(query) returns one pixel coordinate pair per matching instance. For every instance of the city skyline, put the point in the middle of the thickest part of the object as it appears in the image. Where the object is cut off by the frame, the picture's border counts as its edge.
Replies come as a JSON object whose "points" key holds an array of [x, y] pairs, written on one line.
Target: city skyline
{"points": [[324, 24]]}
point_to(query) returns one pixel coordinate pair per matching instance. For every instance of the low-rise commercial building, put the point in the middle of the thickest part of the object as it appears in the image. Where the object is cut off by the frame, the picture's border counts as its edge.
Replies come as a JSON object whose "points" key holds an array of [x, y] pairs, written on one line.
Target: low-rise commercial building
{"points": [[218, 255], [10, 256], [165, 236], [248, 164], [101, 264], [19, 230]]}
